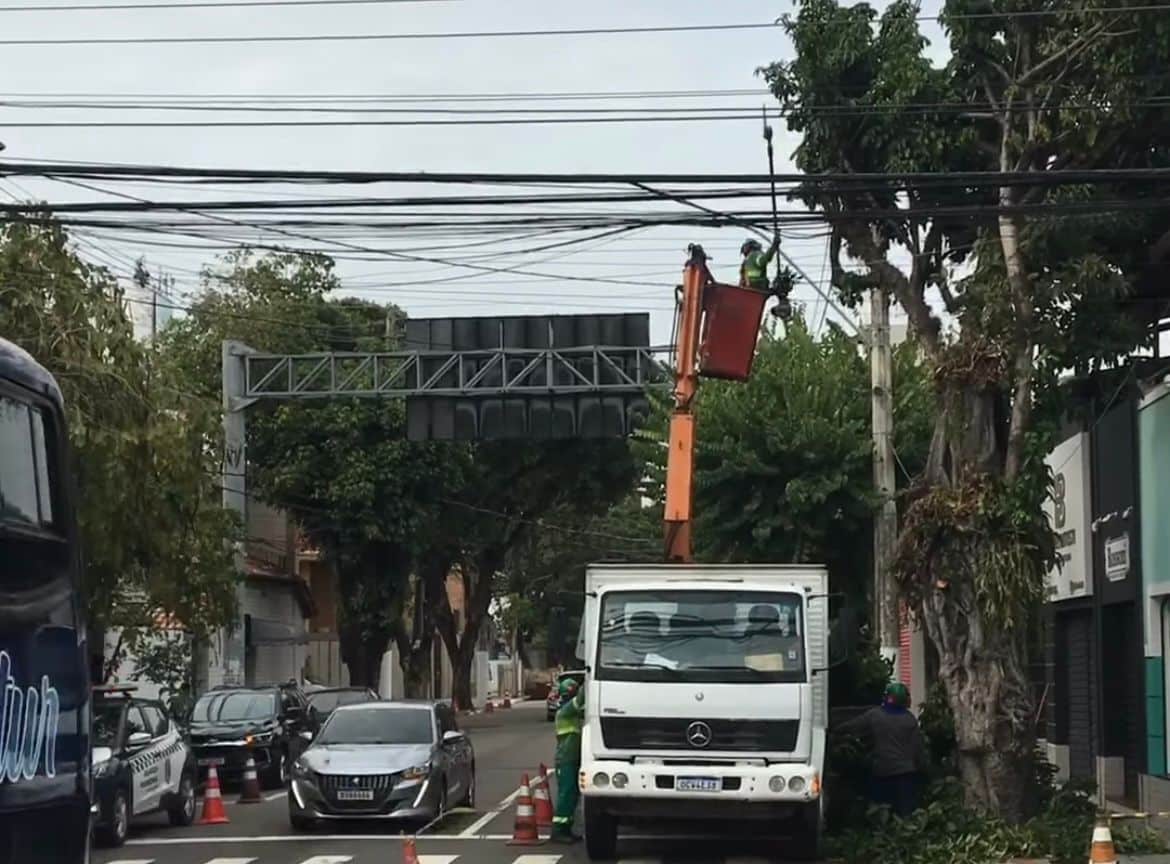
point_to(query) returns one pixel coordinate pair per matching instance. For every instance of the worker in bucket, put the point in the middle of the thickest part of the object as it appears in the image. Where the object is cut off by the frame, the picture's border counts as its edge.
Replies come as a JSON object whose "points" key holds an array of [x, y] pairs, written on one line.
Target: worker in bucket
{"points": [[753, 272], [568, 759], [898, 748]]}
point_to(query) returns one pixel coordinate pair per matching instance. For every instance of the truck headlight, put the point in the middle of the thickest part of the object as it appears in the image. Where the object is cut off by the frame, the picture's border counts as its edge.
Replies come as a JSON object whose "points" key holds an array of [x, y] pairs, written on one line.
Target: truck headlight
{"points": [[600, 779], [776, 784], [796, 784], [620, 780]]}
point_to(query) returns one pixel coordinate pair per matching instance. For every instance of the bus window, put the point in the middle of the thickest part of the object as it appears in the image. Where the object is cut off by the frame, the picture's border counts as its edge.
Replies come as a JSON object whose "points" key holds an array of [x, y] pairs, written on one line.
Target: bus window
{"points": [[44, 683]]}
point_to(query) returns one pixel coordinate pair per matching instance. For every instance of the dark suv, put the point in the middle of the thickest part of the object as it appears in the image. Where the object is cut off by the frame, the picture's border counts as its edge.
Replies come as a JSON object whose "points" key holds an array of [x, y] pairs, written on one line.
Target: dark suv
{"points": [[269, 721]]}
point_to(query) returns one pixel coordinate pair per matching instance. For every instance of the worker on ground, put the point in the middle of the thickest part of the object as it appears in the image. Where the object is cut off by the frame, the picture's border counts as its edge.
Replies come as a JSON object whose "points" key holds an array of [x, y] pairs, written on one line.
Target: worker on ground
{"points": [[753, 272], [568, 759], [899, 751]]}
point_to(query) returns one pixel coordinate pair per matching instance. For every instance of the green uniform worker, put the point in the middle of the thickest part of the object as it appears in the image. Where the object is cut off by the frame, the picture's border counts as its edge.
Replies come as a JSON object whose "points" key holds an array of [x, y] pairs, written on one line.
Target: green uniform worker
{"points": [[753, 273], [568, 759]]}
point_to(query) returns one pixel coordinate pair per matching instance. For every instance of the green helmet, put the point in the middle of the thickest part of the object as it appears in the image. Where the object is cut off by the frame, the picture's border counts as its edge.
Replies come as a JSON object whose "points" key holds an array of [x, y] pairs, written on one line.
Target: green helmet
{"points": [[567, 688], [897, 693]]}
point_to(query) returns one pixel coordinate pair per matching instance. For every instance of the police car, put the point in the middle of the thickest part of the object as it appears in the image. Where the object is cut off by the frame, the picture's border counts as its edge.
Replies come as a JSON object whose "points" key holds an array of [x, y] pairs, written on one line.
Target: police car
{"points": [[140, 763]]}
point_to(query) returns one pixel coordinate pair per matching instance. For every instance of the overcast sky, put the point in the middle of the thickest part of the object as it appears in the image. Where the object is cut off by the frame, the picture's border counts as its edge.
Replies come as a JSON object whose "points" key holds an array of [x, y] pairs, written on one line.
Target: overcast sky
{"points": [[663, 61]]}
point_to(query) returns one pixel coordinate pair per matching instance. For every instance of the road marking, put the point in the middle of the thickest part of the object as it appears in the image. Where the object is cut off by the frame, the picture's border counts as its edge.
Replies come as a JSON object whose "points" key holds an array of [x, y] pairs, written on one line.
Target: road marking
{"points": [[328, 859], [537, 859], [133, 861], [276, 795], [231, 861], [482, 822], [436, 859]]}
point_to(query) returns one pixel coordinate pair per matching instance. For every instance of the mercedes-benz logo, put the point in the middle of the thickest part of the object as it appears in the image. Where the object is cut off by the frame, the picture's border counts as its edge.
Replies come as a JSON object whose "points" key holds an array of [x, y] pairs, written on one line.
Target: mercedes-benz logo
{"points": [[699, 734]]}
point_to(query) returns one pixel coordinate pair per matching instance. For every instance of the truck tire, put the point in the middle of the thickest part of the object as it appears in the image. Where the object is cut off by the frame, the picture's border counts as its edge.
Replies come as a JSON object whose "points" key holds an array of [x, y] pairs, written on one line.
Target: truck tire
{"points": [[600, 832], [808, 832]]}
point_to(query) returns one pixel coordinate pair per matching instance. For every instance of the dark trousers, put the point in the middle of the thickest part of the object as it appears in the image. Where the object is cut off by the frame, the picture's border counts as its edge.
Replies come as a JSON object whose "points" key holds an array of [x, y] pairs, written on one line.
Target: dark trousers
{"points": [[899, 792]]}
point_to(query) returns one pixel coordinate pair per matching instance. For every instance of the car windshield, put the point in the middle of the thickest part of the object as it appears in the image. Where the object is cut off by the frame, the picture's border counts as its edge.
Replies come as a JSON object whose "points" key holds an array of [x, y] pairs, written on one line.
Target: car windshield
{"points": [[701, 636], [325, 701], [378, 726], [234, 707], [106, 717]]}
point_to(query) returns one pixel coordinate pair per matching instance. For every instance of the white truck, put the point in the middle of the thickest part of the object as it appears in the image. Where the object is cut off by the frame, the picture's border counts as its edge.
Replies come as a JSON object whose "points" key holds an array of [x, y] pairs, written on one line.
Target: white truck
{"points": [[706, 698]]}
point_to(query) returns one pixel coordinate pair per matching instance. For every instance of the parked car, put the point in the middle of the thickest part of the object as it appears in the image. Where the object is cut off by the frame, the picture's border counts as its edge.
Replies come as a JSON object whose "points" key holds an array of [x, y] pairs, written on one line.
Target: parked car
{"points": [[270, 722], [554, 692], [383, 760], [141, 764], [323, 701]]}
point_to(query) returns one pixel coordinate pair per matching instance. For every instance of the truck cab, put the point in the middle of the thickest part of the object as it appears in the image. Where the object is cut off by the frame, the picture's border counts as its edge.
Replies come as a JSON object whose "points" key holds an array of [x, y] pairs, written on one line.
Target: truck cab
{"points": [[706, 697]]}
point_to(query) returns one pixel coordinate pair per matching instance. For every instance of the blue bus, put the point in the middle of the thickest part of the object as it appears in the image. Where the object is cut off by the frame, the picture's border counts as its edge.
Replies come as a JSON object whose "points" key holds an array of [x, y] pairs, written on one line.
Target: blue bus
{"points": [[44, 675]]}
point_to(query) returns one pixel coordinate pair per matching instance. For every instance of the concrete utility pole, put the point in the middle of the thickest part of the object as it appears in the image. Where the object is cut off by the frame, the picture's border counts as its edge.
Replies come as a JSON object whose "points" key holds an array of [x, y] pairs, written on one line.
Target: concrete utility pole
{"points": [[235, 497], [885, 526]]}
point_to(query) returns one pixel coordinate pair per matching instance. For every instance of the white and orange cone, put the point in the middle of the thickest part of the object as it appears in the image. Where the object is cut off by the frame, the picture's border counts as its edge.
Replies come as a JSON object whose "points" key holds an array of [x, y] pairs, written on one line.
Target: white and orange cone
{"points": [[542, 804], [250, 790], [213, 810], [1102, 850], [525, 832], [409, 851]]}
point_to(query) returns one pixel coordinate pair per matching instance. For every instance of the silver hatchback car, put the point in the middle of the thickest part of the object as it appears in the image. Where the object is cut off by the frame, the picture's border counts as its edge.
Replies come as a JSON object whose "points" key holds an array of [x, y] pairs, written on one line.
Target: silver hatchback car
{"points": [[383, 760]]}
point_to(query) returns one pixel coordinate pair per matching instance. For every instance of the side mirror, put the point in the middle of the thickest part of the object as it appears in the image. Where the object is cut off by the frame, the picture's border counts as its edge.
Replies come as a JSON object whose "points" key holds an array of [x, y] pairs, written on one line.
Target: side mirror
{"points": [[137, 739], [452, 735]]}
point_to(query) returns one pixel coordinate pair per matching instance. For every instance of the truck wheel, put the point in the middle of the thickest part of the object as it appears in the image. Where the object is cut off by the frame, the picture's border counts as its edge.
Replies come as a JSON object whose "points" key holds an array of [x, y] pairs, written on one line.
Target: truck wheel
{"points": [[809, 832], [600, 832]]}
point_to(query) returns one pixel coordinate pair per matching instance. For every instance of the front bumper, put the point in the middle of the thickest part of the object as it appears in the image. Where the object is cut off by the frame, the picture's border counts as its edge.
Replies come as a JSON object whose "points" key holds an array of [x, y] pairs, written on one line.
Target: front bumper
{"points": [[740, 790], [230, 759], [416, 799]]}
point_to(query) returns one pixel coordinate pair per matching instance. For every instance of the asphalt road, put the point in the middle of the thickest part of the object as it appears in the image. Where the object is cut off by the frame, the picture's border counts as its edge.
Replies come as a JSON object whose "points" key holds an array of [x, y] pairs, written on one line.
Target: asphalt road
{"points": [[507, 744]]}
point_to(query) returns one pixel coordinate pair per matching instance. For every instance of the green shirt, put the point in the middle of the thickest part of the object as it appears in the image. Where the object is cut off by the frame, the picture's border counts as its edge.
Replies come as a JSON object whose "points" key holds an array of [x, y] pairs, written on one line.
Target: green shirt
{"points": [[754, 269], [568, 728]]}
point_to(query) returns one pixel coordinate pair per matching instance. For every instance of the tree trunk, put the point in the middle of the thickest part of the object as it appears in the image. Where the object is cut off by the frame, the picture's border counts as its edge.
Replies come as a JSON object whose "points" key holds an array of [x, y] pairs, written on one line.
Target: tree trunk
{"points": [[982, 654], [362, 654], [477, 594]]}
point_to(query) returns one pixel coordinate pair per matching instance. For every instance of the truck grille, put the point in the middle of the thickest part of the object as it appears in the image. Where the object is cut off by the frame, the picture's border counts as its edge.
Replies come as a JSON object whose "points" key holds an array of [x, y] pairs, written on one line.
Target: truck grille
{"points": [[669, 733]]}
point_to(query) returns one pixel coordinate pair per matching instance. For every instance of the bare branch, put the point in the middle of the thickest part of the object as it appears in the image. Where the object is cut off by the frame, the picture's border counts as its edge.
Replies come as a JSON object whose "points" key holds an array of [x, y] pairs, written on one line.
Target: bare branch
{"points": [[1069, 52]]}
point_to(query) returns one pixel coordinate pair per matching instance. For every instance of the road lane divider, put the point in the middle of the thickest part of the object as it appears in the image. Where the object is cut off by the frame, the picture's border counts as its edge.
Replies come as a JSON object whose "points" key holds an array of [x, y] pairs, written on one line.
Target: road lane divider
{"points": [[474, 829]]}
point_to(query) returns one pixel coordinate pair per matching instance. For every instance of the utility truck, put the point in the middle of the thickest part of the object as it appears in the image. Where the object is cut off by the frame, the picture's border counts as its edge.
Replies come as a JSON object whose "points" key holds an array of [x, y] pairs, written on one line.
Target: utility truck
{"points": [[707, 698], [706, 685]]}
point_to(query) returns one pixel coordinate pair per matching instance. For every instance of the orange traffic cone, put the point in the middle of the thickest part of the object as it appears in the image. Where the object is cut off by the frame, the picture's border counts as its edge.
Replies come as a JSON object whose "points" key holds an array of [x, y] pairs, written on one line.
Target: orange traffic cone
{"points": [[250, 791], [525, 832], [1102, 851], [213, 812], [541, 801], [409, 852]]}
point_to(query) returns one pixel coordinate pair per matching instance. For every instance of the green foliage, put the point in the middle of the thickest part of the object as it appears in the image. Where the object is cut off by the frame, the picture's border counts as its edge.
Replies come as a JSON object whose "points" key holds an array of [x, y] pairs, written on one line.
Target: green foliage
{"points": [[164, 657], [938, 728], [153, 531]]}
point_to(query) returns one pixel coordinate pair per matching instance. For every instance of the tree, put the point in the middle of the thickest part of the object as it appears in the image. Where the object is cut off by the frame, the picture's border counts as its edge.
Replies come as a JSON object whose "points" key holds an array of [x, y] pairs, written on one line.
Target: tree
{"points": [[342, 468], [154, 535], [1035, 94]]}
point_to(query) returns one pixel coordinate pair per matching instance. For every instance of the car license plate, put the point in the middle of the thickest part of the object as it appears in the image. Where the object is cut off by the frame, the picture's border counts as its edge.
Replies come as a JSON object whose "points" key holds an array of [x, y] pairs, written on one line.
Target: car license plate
{"points": [[697, 784], [355, 794], [217, 761]]}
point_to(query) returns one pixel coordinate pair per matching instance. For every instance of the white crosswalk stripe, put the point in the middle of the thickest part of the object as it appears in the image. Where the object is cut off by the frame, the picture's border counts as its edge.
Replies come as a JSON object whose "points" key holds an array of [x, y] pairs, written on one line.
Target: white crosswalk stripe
{"points": [[328, 859], [436, 859], [537, 859], [132, 861], [231, 861]]}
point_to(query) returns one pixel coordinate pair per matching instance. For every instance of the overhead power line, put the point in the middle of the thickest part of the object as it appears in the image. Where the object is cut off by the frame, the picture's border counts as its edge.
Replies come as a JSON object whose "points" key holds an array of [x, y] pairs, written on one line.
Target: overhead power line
{"points": [[384, 37]]}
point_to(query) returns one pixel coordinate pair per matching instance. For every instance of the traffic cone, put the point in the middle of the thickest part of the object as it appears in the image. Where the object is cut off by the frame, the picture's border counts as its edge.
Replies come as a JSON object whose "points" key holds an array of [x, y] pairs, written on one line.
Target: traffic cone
{"points": [[1102, 851], [409, 852], [541, 801], [525, 832], [213, 812], [250, 791]]}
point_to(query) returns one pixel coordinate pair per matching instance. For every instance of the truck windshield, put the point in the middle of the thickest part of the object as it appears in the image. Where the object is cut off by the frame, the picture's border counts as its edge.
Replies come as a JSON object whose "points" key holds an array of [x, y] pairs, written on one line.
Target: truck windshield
{"points": [[701, 636]]}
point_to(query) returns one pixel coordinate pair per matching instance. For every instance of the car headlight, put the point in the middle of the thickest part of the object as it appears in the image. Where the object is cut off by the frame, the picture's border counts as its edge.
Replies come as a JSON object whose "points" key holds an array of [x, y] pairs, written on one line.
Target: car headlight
{"points": [[301, 771], [418, 772], [259, 740]]}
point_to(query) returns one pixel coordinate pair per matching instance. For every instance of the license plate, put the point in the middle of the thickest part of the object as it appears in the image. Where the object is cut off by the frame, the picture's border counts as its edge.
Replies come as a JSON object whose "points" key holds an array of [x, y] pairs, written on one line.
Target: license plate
{"points": [[355, 794], [697, 784], [217, 761]]}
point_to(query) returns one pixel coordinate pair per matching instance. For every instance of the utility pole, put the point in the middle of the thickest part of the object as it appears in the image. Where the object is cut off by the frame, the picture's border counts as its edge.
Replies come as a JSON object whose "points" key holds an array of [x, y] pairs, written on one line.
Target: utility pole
{"points": [[885, 526]]}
